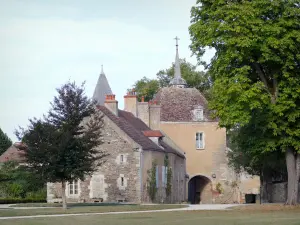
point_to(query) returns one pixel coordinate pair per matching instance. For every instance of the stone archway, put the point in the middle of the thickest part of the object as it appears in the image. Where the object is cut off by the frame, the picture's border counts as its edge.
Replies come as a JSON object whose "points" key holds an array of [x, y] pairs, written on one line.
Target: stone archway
{"points": [[199, 190]]}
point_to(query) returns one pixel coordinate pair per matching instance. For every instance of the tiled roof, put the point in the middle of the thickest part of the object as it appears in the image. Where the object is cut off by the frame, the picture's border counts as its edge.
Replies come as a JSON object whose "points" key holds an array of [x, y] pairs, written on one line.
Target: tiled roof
{"points": [[177, 104], [13, 153], [134, 128], [152, 133]]}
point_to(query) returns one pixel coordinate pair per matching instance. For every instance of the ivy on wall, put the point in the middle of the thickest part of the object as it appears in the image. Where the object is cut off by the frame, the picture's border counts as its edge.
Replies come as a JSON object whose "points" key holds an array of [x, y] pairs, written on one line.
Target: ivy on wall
{"points": [[169, 176], [151, 182]]}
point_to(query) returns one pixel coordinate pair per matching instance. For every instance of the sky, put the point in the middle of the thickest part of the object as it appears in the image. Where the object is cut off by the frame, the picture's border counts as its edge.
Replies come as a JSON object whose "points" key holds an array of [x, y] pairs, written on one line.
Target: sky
{"points": [[46, 43]]}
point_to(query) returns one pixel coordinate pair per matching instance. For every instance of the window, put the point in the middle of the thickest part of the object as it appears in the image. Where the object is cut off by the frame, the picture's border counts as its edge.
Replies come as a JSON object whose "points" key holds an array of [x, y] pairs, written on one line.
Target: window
{"points": [[73, 188], [200, 140], [122, 181], [199, 114], [122, 158]]}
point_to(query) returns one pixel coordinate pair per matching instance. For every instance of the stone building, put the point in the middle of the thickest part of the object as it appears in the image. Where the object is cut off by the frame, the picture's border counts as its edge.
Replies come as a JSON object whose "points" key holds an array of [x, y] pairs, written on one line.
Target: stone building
{"points": [[132, 148], [182, 114]]}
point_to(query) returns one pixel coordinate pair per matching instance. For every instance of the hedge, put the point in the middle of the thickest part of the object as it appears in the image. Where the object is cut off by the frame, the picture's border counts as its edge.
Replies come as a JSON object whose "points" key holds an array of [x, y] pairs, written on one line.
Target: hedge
{"points": [[21, 200]]}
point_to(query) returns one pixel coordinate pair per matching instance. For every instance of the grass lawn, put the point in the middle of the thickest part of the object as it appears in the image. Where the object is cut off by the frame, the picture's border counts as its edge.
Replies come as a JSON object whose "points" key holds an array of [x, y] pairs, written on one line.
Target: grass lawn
{"points": [[232, 217], [82, 208]]}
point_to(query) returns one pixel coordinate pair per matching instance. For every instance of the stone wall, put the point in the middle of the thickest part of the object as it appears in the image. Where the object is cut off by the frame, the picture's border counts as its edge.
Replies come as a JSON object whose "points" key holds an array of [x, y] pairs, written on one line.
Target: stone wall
{"points": [[118, 179], [178, 177]]}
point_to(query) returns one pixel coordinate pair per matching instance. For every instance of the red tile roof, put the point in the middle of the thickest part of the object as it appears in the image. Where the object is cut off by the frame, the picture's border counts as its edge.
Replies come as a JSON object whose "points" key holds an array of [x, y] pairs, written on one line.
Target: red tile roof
{"points": [[13, 153], [152, 133], [177, 104]]}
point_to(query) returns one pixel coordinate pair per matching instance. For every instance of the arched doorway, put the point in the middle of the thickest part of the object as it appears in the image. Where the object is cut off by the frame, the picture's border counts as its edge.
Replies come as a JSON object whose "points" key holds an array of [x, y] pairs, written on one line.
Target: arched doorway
{"points": [[199, 190]]}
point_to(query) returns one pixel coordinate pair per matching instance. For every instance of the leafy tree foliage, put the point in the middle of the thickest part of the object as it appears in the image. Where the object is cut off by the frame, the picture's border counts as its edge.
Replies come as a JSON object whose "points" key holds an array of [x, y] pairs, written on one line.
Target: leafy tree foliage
{"points": [[18, 182], [197, 79], [146, 88], [255, 68], [151, 182], [169, 176], [63, 146], [5, 142]]}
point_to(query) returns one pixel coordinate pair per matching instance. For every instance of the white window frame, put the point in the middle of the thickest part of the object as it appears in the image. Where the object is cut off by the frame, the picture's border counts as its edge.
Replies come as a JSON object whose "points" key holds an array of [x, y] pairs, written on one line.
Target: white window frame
{"points": [[71, 191], [199, 114], [198, 147]]}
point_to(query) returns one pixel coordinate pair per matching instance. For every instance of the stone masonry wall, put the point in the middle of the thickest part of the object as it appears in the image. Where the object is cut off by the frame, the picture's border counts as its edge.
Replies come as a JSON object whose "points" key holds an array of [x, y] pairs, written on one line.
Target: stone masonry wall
{"points": [[118, 179]]}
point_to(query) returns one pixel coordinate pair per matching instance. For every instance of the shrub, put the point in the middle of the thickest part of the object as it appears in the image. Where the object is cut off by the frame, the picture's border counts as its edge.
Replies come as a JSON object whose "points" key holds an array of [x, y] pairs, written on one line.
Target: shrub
{"points": [[21, 200]]}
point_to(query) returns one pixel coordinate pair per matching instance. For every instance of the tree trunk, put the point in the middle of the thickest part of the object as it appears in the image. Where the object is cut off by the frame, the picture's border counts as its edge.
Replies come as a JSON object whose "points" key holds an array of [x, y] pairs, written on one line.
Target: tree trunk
{"points": [[297, 179], [63, 194], [293, 166]]}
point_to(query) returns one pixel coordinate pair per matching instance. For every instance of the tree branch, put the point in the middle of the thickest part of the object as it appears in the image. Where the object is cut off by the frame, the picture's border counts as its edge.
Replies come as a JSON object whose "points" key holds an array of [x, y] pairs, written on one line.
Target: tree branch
{"points": [[264, 80]]}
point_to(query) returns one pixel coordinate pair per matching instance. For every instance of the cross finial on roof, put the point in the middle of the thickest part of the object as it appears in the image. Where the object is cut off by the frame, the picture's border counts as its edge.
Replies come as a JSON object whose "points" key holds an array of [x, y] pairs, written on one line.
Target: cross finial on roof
{"points": [[177, 81], [177, 39]]}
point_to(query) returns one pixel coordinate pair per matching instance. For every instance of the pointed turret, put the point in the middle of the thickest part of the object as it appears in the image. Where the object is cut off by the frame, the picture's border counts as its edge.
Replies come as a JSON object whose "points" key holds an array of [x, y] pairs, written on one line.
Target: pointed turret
{"points": [[102, 88], [177, 81]]}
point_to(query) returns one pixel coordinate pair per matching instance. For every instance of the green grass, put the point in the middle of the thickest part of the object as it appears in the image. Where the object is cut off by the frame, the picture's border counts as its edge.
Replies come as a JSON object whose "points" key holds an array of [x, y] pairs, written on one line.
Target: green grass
{"points": [[69, 204], [234, 217], [84, 209]]}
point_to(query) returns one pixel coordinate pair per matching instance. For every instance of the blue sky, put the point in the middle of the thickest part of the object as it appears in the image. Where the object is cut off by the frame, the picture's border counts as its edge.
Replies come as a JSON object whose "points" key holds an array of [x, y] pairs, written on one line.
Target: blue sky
{"points": [[46, 43]]}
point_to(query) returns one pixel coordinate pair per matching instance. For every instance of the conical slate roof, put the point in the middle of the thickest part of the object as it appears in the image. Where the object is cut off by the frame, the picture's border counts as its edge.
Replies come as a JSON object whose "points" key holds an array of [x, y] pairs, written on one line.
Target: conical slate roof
{"points": [[102, 89]]}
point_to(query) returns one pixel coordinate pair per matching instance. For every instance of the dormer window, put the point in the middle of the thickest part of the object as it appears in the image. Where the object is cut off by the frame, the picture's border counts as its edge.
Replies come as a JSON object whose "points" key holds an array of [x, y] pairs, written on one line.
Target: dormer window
{"points": [[198, 113]]}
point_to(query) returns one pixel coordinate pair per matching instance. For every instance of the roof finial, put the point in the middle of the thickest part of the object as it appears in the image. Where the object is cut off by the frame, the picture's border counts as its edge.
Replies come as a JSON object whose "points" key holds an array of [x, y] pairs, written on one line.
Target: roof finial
{"points": [[102, 72], [177, 80], [177, 39]]}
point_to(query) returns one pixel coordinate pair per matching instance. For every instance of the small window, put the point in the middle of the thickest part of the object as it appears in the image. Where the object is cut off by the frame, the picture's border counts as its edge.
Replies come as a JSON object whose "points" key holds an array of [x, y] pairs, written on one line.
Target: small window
{"points": [[200, 140], [122, 158], [199, 114], [122, 181], [73, 188]]}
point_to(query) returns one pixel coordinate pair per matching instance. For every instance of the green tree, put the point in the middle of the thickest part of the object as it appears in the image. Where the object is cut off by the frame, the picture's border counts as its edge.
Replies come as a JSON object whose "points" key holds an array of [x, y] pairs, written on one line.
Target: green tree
{"points": [[247, 153], [151, 181], [146, 88], [255, 67], [5, 142], [197, 79], [63, 146], [18, 181], [169, 176]]}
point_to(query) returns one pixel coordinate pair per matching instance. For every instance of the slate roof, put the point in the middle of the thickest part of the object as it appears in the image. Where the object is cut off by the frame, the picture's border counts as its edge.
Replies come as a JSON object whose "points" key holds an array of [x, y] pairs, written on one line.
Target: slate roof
{"points": [[13, 153], [102, 88], [134, 128], [177, 104]]}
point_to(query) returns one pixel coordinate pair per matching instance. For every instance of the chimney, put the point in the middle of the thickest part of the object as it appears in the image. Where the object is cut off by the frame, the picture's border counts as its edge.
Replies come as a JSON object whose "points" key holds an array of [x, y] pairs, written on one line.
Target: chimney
{"points": [[130, 102], [111, 103], [154, 115]]}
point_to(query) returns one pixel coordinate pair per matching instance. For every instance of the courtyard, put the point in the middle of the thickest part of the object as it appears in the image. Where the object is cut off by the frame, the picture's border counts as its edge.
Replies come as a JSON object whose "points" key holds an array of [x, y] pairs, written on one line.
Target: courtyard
{"points": [[244, 215]]}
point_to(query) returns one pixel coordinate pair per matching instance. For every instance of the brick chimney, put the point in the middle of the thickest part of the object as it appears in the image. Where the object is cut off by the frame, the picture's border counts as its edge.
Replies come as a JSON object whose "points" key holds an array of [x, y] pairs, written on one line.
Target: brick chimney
{"points": [[111, 103], [130, 102]]}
